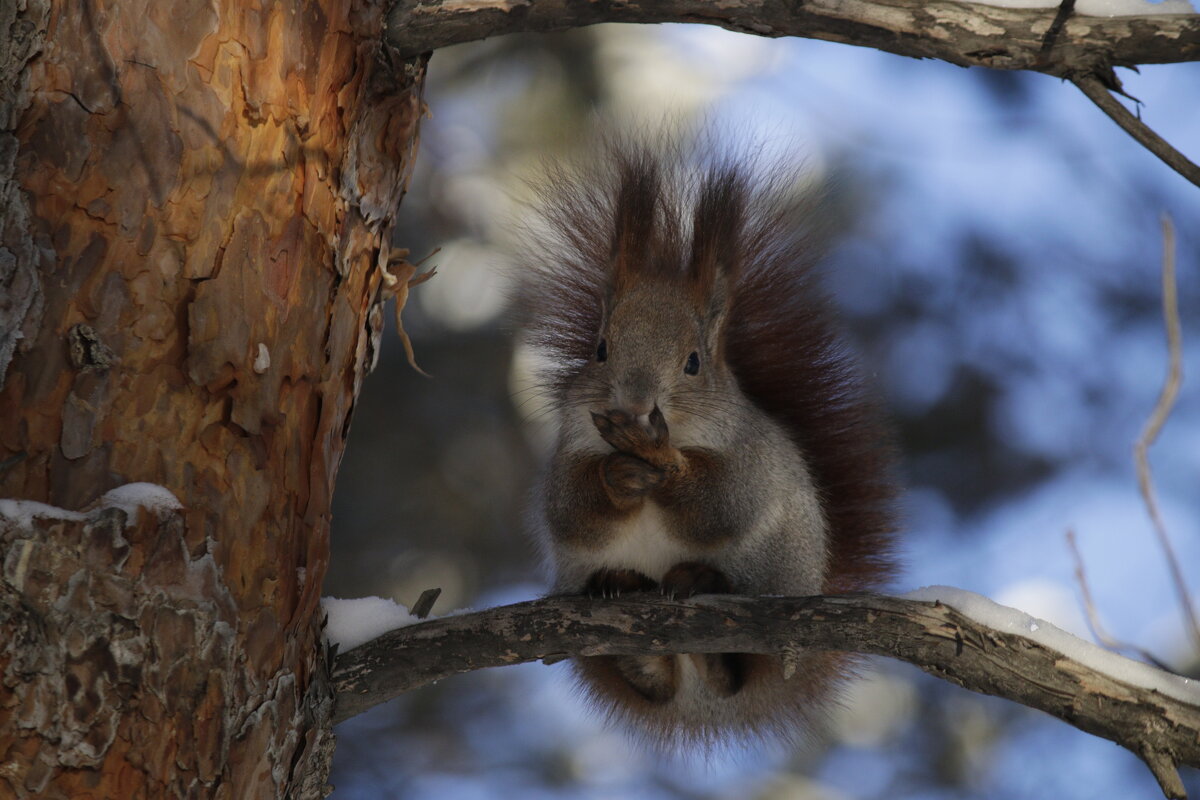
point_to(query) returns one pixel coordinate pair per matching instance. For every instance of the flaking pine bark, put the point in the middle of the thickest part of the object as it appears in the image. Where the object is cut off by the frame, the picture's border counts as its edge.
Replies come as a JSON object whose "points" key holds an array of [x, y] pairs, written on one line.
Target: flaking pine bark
{"points": [[195, 206]]}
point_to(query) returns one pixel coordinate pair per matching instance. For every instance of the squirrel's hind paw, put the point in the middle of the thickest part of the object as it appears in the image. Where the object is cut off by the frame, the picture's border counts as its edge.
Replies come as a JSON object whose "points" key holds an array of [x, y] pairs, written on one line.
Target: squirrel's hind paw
{"points": [[693, 577], [612, 582]]}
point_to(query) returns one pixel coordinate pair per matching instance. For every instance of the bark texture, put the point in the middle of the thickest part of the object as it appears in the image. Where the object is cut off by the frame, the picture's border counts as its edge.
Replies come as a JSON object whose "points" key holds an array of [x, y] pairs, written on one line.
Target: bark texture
{"points": [[961, 33], [1163, 730], [195, 205]]}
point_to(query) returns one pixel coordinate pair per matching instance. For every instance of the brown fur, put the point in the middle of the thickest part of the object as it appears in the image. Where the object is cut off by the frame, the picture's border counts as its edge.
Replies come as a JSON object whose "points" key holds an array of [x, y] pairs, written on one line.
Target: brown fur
{"points": [[724, 238]]}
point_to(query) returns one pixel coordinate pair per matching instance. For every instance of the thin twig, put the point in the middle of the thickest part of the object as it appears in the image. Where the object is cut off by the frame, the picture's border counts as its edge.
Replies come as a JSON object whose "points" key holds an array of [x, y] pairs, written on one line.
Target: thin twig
{"points": [[1094, 623], [1099, 94], [1165, 772], [1162, 410]]}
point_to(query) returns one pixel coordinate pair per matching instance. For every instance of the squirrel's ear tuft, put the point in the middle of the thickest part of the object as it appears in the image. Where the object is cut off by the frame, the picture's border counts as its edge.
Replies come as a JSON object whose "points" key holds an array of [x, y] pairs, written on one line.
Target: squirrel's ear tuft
{"points": [[717, 232], [717, 226], [637, 209]]}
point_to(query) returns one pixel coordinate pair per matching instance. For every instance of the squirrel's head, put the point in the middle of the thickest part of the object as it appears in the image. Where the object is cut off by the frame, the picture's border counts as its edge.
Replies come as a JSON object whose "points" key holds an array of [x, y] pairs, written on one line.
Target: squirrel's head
{"points": [[669, 288], [658, 345]]}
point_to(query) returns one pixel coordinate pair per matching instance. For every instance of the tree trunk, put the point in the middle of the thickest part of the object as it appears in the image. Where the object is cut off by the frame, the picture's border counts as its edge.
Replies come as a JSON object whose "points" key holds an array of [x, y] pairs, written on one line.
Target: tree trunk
{"points": [[195, 205]]}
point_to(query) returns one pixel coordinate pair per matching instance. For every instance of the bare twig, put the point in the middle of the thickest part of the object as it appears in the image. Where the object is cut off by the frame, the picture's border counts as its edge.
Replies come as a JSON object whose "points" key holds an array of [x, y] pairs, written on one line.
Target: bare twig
{"points": [[1095, 625], [1164, 771], [1099, 93], [1162, 410], [1158, 726]]}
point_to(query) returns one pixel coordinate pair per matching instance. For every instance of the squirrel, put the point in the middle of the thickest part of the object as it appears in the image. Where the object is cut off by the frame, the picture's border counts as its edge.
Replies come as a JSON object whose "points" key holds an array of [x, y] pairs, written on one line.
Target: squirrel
{"points": [[713, 436]]}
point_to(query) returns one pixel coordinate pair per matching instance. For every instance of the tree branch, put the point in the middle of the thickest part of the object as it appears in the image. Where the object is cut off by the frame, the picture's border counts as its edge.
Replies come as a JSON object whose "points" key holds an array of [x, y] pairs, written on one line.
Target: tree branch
{"points": [[961, 33], [1099, 94], [1162, 729], [1054, 41]]}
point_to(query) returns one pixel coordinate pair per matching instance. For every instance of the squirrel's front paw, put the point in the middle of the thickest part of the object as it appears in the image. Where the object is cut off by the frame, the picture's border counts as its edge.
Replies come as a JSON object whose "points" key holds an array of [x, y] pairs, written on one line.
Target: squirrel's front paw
{"points": [[651, 442], [627, 477]]}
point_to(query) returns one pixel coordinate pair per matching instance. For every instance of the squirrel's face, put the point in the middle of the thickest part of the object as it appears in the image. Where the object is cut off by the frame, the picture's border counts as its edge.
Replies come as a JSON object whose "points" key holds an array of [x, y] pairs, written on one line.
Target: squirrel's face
{"points": [[657, 346]]}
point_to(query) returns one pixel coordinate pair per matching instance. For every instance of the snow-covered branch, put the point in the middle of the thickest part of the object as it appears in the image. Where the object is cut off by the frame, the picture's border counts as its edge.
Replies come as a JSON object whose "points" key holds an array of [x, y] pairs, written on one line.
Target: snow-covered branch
{"points": [[995, 651]]}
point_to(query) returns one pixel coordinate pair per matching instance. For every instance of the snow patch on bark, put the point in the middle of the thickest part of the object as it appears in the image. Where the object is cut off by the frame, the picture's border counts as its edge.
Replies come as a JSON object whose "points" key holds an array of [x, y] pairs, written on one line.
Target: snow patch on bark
{"points": [[1103, 8], [129, 498], [150, 496], [1010, 620], [352, 622], [22, 513]]}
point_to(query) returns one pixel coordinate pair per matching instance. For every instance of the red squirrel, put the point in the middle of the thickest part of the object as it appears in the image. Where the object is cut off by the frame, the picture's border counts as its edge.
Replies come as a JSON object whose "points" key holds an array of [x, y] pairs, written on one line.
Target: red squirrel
{"points": [[712, 434]]}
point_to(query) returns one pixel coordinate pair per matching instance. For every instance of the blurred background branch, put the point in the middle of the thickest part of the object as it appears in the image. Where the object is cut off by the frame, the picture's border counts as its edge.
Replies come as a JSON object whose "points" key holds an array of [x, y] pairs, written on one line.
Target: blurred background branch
{"points": [[1158, 418]]}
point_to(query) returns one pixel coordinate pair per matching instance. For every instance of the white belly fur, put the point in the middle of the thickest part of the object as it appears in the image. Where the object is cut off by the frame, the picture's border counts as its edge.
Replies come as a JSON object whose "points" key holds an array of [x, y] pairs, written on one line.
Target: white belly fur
{"points": [[642, 543]]}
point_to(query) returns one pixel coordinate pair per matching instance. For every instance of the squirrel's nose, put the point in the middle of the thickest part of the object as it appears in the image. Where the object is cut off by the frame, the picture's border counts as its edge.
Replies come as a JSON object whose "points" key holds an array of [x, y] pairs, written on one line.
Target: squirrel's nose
{"points": [[636, 394], [641, 411]]}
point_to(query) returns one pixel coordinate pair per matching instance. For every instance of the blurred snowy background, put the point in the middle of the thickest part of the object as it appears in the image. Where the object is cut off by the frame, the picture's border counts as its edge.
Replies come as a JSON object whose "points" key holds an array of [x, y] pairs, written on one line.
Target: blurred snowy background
{"points": [[996, 256]]}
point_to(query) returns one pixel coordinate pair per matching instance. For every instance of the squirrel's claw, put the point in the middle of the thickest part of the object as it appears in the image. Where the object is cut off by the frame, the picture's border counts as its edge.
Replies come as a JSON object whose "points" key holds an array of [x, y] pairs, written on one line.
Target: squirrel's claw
{"points": [[658, 425], [689, 578], [603, 424], [609, 583]]}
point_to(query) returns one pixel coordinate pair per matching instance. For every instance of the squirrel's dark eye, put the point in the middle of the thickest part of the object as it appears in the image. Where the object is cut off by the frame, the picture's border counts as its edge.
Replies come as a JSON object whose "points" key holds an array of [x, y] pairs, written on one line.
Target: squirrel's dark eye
{"points": [[693, 364], [602, 351]]}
